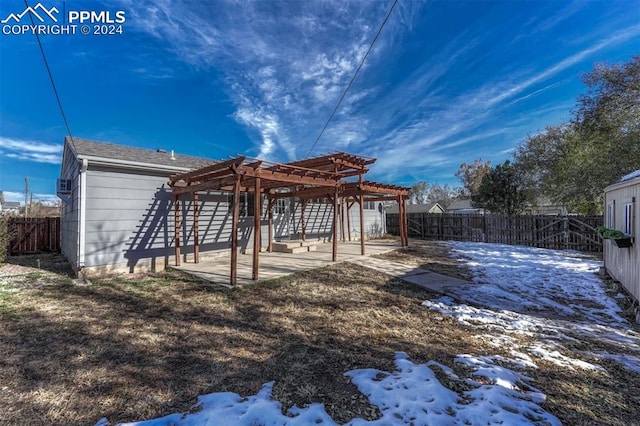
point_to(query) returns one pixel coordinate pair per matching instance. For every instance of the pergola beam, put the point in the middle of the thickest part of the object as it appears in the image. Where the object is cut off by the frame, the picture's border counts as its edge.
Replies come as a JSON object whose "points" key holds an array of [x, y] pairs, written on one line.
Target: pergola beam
{"points": [[313, 192], [290, 178], [188, 176]]}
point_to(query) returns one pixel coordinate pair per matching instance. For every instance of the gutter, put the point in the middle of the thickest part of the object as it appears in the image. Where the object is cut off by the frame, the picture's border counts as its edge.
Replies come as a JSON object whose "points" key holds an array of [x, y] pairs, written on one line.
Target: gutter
{"points": [[132, 165], [83, 213]]}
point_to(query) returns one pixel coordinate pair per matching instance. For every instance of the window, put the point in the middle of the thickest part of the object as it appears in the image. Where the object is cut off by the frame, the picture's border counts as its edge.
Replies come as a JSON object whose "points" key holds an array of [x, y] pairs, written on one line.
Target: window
{"points": [[318, 201], [628, 218], [281, 206], [611, 214], [369, 205], [246, 204]]}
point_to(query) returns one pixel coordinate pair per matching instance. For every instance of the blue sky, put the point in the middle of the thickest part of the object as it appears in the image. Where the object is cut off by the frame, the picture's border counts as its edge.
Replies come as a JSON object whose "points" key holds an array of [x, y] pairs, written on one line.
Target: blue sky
{"points": [[447, 81]]}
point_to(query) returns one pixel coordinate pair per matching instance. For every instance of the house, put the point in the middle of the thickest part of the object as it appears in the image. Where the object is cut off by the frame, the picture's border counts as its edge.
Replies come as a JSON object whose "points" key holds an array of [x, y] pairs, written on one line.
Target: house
{"points": [[463, 206], [8, 207], [621, 213], [418, 208], [118, 210]]}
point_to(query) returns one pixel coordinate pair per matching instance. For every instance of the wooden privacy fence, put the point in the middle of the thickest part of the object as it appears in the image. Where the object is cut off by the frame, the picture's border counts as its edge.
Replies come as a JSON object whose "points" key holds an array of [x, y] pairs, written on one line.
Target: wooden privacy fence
{"points": [[34, 235], [554, 232]]}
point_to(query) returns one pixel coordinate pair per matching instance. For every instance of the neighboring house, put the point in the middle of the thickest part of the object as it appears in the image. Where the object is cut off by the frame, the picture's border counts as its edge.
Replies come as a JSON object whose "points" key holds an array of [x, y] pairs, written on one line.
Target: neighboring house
{"points": [[8, 207], [117, 210], [463, 206], [621, 213], [419, 208]]}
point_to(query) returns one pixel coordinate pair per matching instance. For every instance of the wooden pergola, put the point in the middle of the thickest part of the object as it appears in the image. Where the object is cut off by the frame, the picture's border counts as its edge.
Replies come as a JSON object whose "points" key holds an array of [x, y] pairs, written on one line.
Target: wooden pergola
{"points": [[318, 177]]}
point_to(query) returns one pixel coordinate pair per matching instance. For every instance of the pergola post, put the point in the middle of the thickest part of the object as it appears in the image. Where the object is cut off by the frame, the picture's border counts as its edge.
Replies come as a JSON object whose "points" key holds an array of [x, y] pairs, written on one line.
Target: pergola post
{"points": [[257, 229], [303, 223], [196, 240], [270, 223], [335, 226], [342, 219], [234, 231], [361, 202], [177, 224], [349, 205], [406, 221], [400, 220]]}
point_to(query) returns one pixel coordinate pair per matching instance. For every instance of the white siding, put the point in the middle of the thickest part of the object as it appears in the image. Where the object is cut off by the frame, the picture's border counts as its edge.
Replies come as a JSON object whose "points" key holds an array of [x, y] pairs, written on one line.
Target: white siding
{"points": [[624, 263], [130, 221], [373, 221], [70, 211]]}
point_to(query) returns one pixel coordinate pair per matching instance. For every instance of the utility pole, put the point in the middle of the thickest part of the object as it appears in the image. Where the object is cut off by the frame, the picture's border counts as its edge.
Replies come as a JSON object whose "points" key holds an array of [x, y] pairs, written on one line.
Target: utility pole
{"points": [[26, 196]]}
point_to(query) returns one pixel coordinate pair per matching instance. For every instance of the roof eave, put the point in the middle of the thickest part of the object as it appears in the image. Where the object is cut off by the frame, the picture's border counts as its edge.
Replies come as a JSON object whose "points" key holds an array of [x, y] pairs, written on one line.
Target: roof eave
{"points": [[624, 183], [131, 165]]}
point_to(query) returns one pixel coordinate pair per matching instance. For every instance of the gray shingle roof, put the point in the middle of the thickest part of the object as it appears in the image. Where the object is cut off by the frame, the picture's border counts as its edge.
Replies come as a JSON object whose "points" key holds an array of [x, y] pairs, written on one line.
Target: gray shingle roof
{"points": [[415, 208], [86, 147]]}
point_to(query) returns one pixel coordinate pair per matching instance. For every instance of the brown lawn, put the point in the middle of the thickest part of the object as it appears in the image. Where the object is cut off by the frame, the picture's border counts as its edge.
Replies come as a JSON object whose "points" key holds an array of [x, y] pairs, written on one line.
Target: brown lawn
{"points": [[133, 349]]}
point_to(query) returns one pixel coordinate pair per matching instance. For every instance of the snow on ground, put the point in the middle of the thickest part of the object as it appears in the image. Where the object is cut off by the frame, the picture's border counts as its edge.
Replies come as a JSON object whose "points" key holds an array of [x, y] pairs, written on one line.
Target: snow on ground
{"points": [[554, 297], [411, 395]]}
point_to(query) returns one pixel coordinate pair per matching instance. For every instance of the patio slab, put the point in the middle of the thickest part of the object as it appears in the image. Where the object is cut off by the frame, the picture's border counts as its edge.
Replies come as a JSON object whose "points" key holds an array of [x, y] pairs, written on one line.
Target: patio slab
{"points": [[275, 265], [420, 277]]}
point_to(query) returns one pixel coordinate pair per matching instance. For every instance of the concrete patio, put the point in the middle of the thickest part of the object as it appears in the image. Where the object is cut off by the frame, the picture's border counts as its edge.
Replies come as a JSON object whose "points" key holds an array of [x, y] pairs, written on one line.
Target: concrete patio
{"points": [[274, 265]]}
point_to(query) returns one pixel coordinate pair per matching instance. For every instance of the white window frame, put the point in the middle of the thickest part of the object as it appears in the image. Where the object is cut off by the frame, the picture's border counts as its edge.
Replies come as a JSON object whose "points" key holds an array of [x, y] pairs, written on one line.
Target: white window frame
{"points": [[611, 214], [627, 223], [281, 206]]}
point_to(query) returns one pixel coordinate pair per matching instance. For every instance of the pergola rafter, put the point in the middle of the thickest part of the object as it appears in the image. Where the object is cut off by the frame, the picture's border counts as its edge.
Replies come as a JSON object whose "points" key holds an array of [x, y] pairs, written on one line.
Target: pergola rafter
{"points": [[317, 177]]}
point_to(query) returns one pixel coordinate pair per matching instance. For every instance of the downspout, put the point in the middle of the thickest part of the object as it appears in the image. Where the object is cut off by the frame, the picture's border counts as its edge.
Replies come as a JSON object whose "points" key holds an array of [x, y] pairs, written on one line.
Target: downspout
{"points": [[83, 214]]}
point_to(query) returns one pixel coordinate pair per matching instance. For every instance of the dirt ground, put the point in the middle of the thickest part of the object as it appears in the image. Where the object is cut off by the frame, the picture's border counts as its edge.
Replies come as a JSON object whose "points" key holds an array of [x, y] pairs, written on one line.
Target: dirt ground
{"points": [[133, 348]]}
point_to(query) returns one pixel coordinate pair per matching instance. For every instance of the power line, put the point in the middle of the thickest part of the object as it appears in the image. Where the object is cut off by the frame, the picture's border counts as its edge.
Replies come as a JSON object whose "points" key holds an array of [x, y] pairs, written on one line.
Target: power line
{"points": [[53, 84], [354, 76]]}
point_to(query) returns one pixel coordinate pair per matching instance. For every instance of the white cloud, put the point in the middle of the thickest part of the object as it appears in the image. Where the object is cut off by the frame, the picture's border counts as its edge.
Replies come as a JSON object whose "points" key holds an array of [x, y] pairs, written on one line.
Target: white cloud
{"points": [[284, 71], [26, 150], [19, 197], [13, 196], [286, 65]]}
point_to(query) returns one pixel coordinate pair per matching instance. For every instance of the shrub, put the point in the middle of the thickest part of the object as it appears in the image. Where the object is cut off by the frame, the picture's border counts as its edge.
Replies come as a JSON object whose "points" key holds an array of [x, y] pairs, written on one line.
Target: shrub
{"points": [[610, 233], [6, 235]]}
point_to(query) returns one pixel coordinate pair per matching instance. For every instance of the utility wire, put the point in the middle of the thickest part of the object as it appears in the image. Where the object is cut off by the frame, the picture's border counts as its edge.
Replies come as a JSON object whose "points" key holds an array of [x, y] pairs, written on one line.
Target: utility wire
{"points": [[53, 84], [354, 75]]}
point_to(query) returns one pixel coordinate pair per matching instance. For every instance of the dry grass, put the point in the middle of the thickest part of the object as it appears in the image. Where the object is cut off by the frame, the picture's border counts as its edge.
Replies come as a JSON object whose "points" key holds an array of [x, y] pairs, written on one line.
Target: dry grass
{"points": [[131, 349], [430, 255]]}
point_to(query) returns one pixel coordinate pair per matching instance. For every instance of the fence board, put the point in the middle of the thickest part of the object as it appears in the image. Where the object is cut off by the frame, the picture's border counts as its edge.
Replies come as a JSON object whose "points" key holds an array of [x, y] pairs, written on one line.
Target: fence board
{"points": [[553, 232], [34, 235]]}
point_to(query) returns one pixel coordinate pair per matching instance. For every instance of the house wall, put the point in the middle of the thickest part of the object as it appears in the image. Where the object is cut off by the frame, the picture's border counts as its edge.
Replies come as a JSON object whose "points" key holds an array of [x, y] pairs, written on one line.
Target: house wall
{"points": [[130, 223], [319, 221], [69, 211], [374, 221], [623, 264]]}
